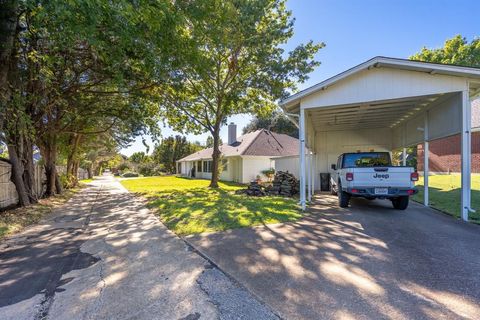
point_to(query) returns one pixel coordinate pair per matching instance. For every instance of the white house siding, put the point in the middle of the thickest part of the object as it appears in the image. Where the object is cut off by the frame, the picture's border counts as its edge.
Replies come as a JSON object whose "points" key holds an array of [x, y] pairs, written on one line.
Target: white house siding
{"points": [[253, 166], [226, 175], [290, 164], [234, 170], [186, 168], [239, 169]]}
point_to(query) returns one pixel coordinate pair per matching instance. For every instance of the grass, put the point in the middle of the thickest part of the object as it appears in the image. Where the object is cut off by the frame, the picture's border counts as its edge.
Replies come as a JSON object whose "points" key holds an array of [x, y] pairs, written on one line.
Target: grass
{"points": [[188, 206], [85, 180], [444, 191], [15, 220]]}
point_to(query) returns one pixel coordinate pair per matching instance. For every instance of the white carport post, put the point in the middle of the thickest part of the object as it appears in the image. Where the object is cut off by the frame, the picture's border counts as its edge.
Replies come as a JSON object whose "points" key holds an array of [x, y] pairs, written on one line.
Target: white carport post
{"points": [[466, 155], [309, 177], [313, 161], [314, 166], [302, 159], [404, 157], [426, 170]]}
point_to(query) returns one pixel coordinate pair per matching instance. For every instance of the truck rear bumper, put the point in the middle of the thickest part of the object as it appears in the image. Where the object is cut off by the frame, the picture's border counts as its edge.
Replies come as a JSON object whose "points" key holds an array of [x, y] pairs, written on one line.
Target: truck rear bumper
{"points": [[369, 192]]}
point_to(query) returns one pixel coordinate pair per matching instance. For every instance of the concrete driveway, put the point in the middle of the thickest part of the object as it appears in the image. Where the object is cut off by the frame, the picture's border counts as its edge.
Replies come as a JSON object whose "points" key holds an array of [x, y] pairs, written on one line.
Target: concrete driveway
{"points": [[365, 262], [105, 256]]}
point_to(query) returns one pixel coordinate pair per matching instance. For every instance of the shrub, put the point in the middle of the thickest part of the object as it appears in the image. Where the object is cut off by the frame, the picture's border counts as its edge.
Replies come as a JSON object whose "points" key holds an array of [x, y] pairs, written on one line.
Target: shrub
{"points": [[130, 175], [123, 166], [149, 169]]}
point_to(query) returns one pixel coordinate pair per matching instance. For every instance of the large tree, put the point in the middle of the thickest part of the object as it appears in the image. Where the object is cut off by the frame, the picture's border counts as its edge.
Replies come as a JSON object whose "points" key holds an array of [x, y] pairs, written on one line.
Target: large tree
{"points": [[78, 68], [232, 62], [456, 50], [171, 149], [276, 122]]}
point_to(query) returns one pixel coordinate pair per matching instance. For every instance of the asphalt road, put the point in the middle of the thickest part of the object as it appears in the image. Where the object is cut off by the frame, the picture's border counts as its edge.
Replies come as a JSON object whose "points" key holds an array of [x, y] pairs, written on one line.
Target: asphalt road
{"points": [[105, 256], [365, 262]]}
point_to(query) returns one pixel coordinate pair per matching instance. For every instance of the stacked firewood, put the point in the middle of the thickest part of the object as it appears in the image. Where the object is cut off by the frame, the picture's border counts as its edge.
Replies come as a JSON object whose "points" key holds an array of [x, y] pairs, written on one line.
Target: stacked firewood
{"points": [[284, 184], [254, 189]]}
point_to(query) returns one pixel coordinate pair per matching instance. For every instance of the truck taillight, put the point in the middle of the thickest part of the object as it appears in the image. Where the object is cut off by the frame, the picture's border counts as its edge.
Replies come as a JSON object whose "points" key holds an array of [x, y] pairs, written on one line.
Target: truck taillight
{"points": [[349, 176], [414, 176]]}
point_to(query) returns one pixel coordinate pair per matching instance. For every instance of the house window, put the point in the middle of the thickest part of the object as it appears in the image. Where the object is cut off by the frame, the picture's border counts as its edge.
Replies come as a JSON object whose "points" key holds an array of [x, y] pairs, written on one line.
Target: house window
{"points": [[225, 165], [199, 166], [207, 166]]}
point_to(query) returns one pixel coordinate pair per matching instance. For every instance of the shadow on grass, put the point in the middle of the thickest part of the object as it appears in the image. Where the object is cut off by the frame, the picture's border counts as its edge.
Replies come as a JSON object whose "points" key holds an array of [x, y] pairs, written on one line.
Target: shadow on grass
{"points": [[448, 201], [199, 210]]}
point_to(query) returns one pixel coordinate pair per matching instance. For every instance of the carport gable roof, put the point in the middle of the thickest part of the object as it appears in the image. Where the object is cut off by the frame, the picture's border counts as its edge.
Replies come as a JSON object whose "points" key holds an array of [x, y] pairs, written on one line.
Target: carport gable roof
{"points": [[291, 104]]}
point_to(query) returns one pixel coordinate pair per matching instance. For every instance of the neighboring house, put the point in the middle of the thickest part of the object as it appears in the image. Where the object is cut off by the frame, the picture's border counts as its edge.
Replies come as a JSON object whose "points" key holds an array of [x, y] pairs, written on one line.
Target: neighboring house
{"points": [[444, 154], [242, 158]]}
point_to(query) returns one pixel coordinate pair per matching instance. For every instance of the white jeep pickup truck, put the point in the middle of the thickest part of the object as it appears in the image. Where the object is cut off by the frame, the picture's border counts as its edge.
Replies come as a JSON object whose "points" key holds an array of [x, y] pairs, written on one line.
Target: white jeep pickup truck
{"points": [[371, 175]]}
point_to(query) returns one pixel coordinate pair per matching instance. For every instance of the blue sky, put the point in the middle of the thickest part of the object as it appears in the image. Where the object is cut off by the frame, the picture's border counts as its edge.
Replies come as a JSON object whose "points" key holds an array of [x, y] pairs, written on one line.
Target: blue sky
{"points": [[355, 31]]}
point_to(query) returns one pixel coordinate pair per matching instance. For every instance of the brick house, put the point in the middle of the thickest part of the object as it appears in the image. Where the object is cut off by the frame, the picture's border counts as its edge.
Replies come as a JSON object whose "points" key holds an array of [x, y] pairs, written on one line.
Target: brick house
{"points": [[445, 153]]}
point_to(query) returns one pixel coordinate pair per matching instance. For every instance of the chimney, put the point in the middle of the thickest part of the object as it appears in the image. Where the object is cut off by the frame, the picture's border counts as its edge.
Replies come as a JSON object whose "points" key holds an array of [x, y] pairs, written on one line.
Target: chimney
{"points": [[232, 133]]}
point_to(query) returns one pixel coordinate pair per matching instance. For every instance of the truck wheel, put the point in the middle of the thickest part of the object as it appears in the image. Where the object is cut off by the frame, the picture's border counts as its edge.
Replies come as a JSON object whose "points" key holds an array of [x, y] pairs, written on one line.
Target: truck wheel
{"points": [[343, 198], [400, 203]]}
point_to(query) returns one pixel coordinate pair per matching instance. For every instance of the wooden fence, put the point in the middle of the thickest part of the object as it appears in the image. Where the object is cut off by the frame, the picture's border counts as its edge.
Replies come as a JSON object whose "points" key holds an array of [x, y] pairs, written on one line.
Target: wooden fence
{"points": [[8, 193]]}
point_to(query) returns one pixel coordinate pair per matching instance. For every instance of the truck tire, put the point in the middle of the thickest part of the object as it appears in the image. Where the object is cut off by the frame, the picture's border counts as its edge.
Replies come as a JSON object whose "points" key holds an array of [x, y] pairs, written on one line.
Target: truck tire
{"points": [[401, 203], [343, 198]]}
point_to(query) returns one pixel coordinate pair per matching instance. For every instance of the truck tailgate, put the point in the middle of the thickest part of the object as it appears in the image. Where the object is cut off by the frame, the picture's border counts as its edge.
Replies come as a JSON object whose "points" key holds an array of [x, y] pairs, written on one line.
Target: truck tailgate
{"points": [[395, 177]]}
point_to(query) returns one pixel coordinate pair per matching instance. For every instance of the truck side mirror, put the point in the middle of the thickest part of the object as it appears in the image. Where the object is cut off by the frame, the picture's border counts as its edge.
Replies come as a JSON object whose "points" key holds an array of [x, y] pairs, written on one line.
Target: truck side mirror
{"points": [[334, 167]]}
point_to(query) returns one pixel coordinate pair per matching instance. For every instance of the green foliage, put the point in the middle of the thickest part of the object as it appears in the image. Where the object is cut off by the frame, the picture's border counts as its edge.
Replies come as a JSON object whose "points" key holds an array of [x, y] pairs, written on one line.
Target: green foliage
{"points": [[456, 50], [276, 122], [171, 149], [232, 62], [138, 157], [130, 175], [209, 142], [3, 151], [68, 182], [150, 169], [187, 206], [82, 68], [123, 166]]}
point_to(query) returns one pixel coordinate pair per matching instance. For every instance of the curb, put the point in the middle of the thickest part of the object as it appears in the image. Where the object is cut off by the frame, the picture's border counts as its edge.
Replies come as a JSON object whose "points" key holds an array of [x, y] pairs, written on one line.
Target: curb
{"points": [[229, 276]]}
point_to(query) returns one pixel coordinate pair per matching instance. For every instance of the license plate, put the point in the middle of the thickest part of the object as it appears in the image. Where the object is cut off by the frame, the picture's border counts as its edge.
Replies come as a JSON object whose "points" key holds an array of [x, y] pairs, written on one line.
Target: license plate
{"points": [[381, 190]]}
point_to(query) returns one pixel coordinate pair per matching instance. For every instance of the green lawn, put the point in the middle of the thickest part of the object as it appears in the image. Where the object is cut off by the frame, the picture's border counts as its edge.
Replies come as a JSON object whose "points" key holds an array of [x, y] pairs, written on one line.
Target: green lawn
{"points": [[188, 206], [445, 194]]}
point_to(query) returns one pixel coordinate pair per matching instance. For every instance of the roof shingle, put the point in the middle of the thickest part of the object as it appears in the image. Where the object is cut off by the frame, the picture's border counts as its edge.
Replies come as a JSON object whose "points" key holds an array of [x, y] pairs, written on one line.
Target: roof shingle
{"points": [[258, 143]]}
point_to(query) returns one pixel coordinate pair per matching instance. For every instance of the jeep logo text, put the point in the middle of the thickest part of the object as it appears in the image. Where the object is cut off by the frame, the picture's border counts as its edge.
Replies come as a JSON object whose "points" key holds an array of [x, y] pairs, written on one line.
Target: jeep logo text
{"points": [[381, 176]]}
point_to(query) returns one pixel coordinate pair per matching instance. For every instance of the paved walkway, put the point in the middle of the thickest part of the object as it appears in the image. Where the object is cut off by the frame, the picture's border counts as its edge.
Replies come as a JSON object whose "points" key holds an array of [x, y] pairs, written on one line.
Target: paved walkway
{"points": [[104, 256], [365, 262]]}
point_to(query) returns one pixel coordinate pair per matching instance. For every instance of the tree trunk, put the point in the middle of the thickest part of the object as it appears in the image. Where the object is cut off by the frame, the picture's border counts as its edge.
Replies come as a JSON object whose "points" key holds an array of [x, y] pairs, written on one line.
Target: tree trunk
{"points": [[17, 175], [215, 157], [58, 183], [89, 171], [72, 159], [29, 170], [50, 173], [49, 153], [75, 169]]}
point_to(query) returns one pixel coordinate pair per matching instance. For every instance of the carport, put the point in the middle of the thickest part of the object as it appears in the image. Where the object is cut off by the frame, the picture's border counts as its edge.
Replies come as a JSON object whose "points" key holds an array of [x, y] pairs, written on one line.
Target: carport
{"points": [[384, 104]]}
